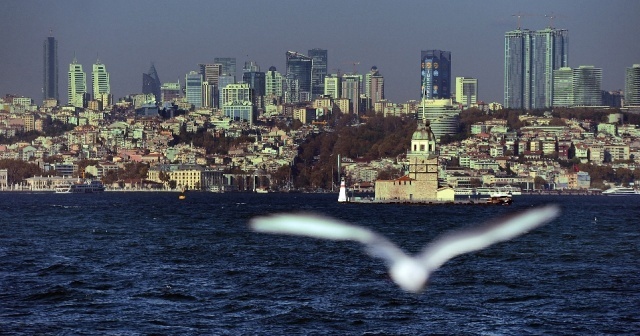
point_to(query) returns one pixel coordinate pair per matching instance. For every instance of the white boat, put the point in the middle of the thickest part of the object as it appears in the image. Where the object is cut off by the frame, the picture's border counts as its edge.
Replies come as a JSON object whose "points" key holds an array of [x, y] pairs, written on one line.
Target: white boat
{"points": [[621, 191], [80, 187]]}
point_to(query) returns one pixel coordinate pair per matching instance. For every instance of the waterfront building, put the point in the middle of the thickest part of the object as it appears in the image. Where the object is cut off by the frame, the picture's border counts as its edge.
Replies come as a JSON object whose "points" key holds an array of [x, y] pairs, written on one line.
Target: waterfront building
{"points": [[151, 83], [435, 75], [298, 76], [77, 89], [632, 86], [193, 89], [101, 85], [421, 182], [50, 82], [318, 70], [529, 60], [467, 91]]}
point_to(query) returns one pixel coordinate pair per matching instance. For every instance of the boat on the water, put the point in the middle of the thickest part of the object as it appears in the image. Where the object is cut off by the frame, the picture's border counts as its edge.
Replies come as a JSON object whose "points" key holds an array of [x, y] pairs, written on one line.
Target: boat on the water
{"points": [[80, 187], [621, 191], [499, 198]]}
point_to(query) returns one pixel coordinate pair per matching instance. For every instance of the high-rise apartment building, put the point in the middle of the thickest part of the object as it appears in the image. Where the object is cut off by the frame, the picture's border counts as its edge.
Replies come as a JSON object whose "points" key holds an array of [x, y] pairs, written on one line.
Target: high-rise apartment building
{"points": [[236, 102], [435, 75], [529, 60], [193, 90], [228, 65], [299, 69], [587, 82], [373, 87], [632, 86], [170, 92], [151, 83], [100, 84], [318, 70], [351, 90], [333, 86], [77, 84], [50, 55], [467, 91], [273, 83]]}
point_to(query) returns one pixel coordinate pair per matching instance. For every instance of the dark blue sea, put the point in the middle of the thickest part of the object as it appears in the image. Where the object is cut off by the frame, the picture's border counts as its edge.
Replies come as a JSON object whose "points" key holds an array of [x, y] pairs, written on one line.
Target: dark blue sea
{"points": [[150, 264]]}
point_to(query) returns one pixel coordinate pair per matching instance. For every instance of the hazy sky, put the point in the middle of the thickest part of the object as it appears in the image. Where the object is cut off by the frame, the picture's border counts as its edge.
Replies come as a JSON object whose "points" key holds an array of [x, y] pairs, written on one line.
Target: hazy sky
{"points": [[177, 35]]}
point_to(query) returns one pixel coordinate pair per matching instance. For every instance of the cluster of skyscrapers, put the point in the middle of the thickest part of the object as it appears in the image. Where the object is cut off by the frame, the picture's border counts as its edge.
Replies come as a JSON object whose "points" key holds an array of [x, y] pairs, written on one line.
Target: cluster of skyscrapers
{"points": [[536, 75]]}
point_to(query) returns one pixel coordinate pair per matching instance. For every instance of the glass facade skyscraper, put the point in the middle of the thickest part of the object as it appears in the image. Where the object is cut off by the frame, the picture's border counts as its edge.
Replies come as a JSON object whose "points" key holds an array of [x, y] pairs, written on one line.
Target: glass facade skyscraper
{"points": [[228, 65], [77, 84], [299, 71], [587, 82], [435, 74], [318, 70], [193, 89], [632, 86], [529, 60], [50, 55], [151, 83]]}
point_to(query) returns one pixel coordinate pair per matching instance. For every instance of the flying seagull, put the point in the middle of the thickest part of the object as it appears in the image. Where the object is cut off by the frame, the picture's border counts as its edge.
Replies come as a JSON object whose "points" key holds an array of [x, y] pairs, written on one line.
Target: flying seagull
{"points": [[410, 273]]}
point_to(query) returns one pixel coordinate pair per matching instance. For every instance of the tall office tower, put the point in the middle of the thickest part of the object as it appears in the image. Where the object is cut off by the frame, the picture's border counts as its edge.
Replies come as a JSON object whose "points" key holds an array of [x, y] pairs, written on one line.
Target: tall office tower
{"points": [[228, 65], [333, 86], [632, 86], [250, 66], [223, 81], [77, 84], [587, 81], [210, 72], [151, 83], [50, 54], [290, 88], [374, 87], [273, 83], [467, 91], [299, 69], [563, 87], [257, 82], [101, 86], [351, 90], [529, 60], [435, 74], [193, 89], [318, 70]]}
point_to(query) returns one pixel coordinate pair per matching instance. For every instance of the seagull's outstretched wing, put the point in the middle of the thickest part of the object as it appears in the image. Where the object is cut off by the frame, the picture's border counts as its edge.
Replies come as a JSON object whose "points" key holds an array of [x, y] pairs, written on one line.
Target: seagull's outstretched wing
{"points": [[460, 242], [327, 228]]}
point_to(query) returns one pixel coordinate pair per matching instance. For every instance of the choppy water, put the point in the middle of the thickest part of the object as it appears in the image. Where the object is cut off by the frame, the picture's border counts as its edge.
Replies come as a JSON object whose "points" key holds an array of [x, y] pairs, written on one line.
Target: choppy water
{"points": [[147, 263]]}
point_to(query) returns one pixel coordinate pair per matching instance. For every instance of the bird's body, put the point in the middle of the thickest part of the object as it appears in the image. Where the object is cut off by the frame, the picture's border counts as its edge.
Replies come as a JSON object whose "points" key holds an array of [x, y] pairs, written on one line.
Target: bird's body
{"points": [[410, 273]]}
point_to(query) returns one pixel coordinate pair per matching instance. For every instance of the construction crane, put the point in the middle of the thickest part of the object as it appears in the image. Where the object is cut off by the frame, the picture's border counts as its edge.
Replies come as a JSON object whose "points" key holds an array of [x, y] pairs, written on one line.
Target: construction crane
{"points": [[354, 64], [519, 16], [551, 17]]}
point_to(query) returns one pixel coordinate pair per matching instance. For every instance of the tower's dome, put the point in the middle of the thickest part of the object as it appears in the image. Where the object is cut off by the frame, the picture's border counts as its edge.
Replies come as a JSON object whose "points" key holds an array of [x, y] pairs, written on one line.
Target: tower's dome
{"points": [[423, 132]]}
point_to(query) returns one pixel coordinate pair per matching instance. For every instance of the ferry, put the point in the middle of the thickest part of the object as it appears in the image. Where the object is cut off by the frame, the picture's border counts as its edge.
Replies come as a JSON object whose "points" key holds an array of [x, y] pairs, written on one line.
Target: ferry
{"points": [[621, 191], [79, 187], [500, 198]]}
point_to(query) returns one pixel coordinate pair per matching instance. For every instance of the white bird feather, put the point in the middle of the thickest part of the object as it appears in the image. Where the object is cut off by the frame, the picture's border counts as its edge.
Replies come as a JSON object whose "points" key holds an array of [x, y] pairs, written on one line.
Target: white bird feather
{"points": [[410, 273]]}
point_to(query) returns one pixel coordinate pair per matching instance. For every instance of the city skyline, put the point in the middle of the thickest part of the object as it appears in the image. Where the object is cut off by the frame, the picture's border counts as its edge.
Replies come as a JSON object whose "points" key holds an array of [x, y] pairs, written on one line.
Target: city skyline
{"points": [[356, 34]]}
